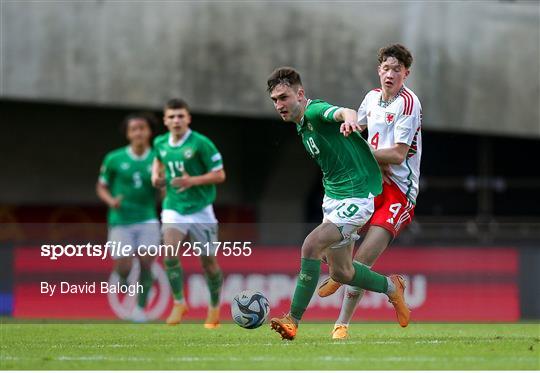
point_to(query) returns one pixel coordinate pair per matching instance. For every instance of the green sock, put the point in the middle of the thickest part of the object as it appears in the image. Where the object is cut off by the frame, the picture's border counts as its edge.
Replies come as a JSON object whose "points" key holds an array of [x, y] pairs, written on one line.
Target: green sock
{"points": [[367, 279], [176, 277], [214, 282], [305, 286], [146, 280]]}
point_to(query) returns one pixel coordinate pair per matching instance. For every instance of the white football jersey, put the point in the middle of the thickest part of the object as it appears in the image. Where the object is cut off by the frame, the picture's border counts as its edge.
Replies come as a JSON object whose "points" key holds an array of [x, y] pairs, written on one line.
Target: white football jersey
{"points": [[399, 122]]}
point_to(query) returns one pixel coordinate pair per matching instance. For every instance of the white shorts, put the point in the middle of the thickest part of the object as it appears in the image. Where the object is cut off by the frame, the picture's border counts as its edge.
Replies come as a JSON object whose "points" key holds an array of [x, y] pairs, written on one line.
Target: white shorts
{"points": [[201, 226], [135, 235], [348, 215]]}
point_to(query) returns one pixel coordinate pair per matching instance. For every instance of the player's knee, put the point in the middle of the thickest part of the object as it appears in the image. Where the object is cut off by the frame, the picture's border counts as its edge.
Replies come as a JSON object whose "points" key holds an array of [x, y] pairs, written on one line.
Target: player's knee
{"points": [[342, 274], [123, 267], [310, 248]]}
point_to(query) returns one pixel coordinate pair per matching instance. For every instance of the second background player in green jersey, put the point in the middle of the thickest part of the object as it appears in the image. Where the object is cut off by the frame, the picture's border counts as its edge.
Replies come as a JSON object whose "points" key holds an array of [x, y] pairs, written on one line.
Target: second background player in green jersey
{"points": [[125, 186]]}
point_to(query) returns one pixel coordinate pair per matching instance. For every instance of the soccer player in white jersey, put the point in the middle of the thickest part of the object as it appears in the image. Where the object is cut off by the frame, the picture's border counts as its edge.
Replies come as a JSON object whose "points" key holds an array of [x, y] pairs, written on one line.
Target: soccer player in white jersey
{"points": [[392, 115]]}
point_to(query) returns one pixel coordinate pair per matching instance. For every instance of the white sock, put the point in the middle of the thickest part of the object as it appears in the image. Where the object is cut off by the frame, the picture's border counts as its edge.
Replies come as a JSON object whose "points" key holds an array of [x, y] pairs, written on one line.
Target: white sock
{"points": [[391, 286], [351, 297]]}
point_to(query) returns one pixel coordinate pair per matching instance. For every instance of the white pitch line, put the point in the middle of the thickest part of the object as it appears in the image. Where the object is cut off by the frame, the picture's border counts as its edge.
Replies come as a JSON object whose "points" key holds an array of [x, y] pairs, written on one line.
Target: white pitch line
{"points": [[328, 358]]}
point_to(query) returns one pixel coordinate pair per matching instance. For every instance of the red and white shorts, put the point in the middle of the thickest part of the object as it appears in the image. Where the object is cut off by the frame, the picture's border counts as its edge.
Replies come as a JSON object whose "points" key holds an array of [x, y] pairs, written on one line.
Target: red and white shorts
{"points": [[393, 211]]}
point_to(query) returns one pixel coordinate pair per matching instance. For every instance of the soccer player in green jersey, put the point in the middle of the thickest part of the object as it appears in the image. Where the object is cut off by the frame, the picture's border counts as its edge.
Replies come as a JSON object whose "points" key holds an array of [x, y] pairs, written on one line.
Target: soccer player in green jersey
{"points": [[125, 186], [192, 167], [351, 180]]}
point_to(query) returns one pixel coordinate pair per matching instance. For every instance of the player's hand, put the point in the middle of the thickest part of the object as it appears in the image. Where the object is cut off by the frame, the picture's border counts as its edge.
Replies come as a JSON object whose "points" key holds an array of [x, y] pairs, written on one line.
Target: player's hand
{"points": [[349, 127], [183, 182], [386, 172], [115, 202], [158, 182], [324, 259]]}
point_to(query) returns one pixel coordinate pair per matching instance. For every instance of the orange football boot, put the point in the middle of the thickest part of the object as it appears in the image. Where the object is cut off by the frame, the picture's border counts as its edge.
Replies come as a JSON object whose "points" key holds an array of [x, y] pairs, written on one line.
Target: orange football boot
{"points": [[212, 320], [328, 287], [285, 326], [340, 332], [397, 298], [177, 312]]}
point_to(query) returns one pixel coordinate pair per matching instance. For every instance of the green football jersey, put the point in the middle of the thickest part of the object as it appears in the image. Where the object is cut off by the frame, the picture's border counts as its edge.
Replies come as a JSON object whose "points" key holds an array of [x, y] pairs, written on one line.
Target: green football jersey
{"points": [[197, 155], [348, 165], [129, 176]]}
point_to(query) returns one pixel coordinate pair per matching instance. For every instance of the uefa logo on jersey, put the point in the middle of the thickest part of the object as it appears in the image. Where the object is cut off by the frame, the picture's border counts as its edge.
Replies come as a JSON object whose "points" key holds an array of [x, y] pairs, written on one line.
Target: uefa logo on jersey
{"points": [[389, 118]]}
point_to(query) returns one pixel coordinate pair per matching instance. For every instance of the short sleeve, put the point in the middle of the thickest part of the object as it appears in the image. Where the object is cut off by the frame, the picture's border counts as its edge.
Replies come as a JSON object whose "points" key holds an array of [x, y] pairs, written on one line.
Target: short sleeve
{"points": [[157, 154], [210, 156], [326, 111], [106, 171], [406, 125], [362, 113]]}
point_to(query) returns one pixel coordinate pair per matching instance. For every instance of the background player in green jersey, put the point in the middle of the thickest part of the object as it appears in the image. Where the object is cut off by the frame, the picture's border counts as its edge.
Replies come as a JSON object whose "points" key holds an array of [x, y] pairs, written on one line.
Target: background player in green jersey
{"points": [[351, 179], [125, 186], [191, 166]]}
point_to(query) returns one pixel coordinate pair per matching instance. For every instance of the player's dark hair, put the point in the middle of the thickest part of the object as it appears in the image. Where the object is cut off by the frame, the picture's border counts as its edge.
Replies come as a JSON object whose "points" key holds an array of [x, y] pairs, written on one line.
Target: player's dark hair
{"points": [[176, 103], [283, 75], [148, 117], [398, 51]]}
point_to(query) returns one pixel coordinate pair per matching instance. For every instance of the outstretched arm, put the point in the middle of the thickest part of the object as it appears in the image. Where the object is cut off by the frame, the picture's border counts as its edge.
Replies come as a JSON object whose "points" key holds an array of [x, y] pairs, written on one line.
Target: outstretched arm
{"points": [[349, 119]]}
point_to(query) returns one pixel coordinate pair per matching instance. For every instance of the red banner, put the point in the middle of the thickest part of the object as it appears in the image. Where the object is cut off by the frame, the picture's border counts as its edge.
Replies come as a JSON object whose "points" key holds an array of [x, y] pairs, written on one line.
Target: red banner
{"points": [[444, 284]]}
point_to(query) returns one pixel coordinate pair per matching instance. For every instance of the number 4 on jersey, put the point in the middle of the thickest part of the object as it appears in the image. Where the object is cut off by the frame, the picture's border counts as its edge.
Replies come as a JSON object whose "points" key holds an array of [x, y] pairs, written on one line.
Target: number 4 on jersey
{"points": [[375, 141]]}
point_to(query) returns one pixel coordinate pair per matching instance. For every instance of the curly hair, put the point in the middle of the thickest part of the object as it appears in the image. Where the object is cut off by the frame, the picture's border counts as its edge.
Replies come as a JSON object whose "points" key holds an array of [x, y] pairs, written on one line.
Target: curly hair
{"points": [[398, 51]]}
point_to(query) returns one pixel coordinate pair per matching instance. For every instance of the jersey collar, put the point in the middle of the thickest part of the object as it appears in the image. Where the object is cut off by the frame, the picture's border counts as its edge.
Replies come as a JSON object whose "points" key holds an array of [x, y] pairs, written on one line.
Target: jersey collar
{"points": [[136, 157], [182, 140], [301, 124]]}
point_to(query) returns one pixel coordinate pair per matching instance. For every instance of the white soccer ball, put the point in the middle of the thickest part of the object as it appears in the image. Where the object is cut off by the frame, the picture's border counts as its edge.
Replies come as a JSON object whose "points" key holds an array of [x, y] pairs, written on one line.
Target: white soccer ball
{"points": [[250, 309]]}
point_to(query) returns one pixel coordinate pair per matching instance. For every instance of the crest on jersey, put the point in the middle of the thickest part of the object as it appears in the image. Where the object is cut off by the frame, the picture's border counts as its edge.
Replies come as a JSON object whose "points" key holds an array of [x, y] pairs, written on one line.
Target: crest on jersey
{"points": [[389, 118], [163, 153], [309, 126], [188, 153], [124, 165]]}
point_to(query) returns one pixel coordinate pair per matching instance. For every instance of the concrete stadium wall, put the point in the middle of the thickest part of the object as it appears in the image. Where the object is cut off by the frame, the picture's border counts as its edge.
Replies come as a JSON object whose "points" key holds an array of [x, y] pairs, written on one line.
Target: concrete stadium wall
{"points": [[476, 66]]}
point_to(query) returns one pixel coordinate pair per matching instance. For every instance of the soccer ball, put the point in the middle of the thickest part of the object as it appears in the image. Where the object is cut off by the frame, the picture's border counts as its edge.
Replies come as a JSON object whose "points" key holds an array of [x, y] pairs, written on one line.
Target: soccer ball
{"points": [[249, 309]]}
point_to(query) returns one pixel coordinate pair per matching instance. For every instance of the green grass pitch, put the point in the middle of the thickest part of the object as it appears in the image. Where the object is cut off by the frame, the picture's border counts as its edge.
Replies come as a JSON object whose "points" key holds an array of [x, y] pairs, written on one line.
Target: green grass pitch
{"points": [[190, 346]]}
